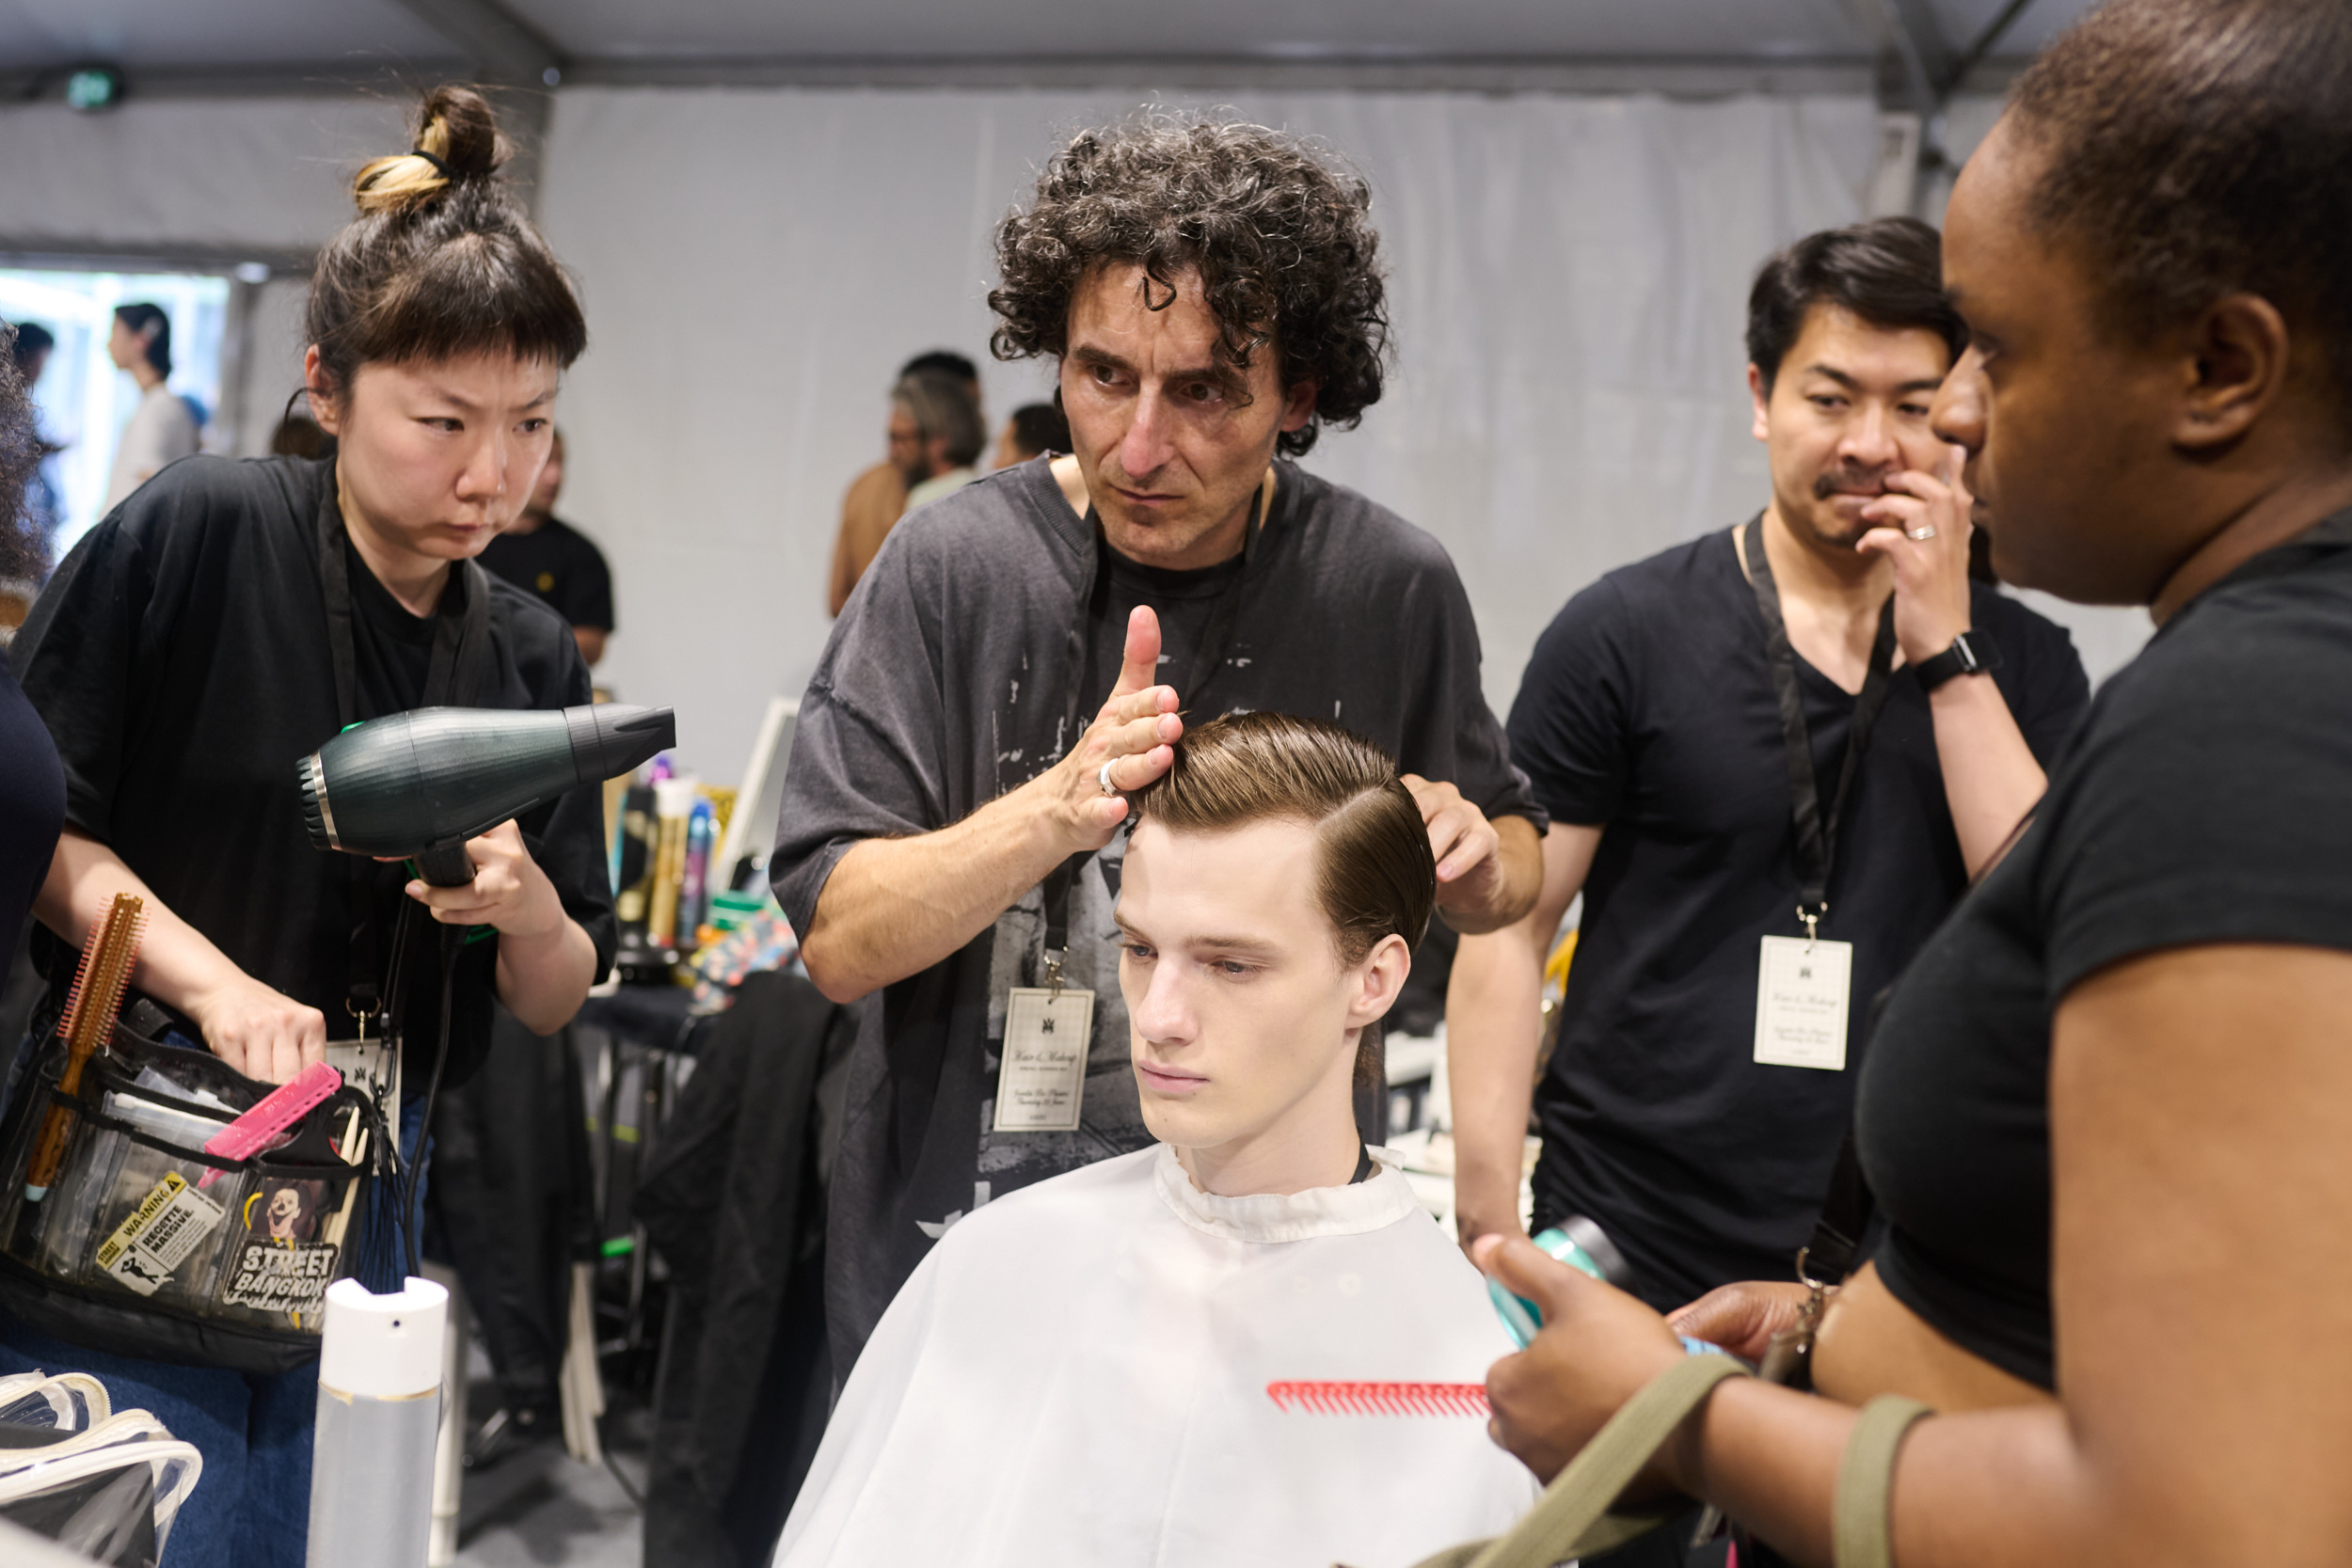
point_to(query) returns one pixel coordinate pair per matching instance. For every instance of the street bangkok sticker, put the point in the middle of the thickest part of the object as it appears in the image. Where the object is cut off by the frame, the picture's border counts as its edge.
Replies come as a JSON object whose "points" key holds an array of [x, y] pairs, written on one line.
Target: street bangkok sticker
{"points": [[273, 1276]]}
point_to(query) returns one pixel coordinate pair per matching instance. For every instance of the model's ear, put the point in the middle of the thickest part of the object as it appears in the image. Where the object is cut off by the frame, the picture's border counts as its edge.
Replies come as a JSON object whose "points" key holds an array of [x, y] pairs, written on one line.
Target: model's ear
{"points": [[1378, 980], [1761, 398]]}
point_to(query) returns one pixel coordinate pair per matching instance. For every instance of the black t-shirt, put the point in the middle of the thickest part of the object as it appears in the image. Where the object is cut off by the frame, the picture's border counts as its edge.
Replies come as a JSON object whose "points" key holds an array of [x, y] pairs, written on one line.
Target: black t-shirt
{"points": [[1185, 603], [180, 658], [944, 686], [32, 806], [1649, 709], [2203, 802], [561, 566]]}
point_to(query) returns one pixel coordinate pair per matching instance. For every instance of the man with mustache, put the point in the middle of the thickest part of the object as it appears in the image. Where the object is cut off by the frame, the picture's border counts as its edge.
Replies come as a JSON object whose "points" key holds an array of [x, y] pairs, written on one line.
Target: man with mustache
{"points": [[1741, 909]]}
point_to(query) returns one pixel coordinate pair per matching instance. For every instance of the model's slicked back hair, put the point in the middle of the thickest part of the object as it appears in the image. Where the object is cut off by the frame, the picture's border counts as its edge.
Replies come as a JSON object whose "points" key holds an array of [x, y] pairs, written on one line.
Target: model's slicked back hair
{"points": [[1888, 271], [1374, 874], [440, 262], [2195, 148], [1280, 237]]}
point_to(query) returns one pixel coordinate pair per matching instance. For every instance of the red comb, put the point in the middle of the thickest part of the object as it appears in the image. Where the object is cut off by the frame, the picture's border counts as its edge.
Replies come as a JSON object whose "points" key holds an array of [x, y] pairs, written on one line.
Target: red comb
{"points": [[104, 973], [1380, 1399]]}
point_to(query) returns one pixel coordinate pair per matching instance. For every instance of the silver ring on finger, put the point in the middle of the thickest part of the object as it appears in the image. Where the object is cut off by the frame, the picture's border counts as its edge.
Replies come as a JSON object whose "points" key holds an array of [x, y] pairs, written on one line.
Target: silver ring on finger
{"points": [[1922, 533], [1104, 778]]}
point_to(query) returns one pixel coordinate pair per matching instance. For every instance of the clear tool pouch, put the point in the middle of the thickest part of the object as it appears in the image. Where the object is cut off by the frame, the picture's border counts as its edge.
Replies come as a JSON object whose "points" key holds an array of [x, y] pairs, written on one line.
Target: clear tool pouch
{"points": [[128, 1252]]}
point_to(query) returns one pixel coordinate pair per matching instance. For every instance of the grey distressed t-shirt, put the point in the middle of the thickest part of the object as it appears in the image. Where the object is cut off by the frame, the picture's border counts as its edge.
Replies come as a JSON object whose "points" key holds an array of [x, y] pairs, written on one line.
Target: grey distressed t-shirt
{"points": [[944, 685]]}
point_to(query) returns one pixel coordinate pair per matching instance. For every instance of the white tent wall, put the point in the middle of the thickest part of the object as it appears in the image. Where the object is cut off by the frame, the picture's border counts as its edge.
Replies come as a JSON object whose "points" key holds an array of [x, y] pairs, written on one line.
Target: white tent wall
{"points": [[221, 179], [1569, 279], [218, 175]]}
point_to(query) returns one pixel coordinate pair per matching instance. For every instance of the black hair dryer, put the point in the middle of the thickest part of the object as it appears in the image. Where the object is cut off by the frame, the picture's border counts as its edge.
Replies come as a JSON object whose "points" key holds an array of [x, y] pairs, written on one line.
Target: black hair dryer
{"points": [[416, 785]]}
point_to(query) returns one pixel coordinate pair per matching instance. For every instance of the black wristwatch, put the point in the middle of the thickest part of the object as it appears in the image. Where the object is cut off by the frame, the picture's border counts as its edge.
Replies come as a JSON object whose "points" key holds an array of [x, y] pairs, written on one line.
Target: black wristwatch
{"points": [[1968, 655]]}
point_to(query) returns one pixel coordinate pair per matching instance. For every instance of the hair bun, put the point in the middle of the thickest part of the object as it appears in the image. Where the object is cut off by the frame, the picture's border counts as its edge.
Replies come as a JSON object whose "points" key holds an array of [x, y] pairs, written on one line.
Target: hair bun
{"points": [[458, 131]]}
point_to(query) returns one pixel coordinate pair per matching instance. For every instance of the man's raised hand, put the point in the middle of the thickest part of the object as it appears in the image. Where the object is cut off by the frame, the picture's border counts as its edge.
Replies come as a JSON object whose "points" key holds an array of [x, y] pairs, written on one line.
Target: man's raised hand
{"points": [[1921, 525], [1134, 733]]}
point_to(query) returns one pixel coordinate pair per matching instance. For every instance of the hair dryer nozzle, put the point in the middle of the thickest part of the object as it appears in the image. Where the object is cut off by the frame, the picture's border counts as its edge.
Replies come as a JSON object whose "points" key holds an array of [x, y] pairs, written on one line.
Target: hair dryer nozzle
{"points": [[610, 739]]}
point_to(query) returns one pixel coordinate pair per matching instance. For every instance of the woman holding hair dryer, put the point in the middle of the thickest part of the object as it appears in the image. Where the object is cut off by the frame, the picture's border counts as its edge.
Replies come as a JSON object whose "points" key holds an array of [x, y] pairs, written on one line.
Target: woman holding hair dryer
{"points": [[229, 618]]}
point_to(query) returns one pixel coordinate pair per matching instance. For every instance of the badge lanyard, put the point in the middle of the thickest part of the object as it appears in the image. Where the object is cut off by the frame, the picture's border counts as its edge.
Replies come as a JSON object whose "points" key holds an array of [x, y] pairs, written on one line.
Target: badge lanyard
{"points": [[461, 643], [1049, 1030], [1817, 835], [1804, 985], [1093, 585]]}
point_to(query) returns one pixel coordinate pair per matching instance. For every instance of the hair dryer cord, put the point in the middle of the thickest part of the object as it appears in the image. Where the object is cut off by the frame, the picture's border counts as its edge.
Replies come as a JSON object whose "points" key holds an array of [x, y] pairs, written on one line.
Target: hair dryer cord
{"points": [[412, 1183]]}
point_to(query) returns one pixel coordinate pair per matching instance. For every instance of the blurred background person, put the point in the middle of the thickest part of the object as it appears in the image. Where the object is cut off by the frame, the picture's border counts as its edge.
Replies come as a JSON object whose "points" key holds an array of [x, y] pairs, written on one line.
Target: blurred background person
{"points": [[31, 350], [877, 498], [935, 421], [1034, 430], [163, 428], [540, 553]]}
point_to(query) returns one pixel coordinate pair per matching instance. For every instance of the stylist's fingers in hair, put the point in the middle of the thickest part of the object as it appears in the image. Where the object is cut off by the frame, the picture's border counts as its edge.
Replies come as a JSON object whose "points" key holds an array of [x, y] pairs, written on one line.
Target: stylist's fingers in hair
{"points": [[1744, 1318], [1135, 737], [1138, 738], [1462, 841], [1597, 1348]]}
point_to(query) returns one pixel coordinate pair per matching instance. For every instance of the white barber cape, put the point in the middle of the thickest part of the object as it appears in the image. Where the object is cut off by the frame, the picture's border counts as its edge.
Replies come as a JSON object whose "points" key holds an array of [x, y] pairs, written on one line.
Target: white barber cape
{"points": [[1114, 1370]]}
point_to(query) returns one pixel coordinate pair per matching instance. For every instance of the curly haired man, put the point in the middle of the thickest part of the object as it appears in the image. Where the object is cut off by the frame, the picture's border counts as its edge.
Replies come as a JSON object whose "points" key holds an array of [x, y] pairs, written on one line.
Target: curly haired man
{"points": [[1211, 293]]}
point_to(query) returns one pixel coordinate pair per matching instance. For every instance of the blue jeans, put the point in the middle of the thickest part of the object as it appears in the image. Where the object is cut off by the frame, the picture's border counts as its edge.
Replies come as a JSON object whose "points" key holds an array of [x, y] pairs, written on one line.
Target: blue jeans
{"points": [[251, 1507]]}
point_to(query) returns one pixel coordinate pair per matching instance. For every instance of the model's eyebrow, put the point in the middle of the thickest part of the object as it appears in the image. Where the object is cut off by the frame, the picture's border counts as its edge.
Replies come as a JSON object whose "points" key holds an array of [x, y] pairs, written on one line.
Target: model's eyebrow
{"points": [[1256, 947], [1927, 385]]}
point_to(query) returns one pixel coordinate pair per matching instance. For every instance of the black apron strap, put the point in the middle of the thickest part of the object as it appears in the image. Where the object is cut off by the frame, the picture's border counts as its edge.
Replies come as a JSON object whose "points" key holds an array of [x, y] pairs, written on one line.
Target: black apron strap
{"points": [[462, 670], [1817, 834]]}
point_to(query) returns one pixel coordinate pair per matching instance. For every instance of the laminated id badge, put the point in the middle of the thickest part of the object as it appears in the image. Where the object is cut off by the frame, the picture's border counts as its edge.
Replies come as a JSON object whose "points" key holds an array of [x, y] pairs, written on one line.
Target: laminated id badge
{"points": [[373, 1067], [1047, 1030], [1802, 985]]}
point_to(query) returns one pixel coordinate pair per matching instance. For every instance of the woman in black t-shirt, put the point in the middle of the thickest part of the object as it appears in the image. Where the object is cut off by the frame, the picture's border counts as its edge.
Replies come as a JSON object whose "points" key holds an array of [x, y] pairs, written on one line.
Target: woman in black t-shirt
{"points": [[231, 617], [2105, 1110]]}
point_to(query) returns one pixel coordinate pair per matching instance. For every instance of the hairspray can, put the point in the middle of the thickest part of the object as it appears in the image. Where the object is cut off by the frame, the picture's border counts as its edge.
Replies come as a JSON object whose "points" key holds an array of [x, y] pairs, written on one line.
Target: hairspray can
{"points": [[380, 1414]]}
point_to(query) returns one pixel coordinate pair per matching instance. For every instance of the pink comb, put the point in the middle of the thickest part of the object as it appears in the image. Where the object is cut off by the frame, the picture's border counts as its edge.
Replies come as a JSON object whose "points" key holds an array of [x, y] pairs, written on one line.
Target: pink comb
{"points": [[1380, 1399], [285, 1105]]}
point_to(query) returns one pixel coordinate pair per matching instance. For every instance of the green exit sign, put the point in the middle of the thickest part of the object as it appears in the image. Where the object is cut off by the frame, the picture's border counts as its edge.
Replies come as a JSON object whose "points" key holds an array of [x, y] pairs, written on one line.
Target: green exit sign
{"points": [[93, 89]]}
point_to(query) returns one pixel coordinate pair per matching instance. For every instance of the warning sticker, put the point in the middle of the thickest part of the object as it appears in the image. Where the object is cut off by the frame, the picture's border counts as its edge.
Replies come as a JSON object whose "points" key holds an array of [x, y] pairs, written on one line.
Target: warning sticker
{"points": [[275, 1277], [157, 1236]]}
